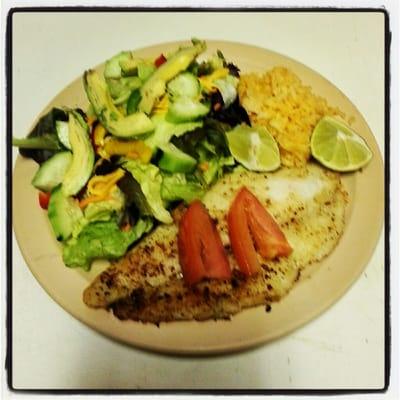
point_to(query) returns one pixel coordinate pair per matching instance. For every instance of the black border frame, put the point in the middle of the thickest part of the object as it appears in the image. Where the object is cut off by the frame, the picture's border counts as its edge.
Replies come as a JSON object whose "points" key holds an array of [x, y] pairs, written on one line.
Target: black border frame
{"points": [[9, 167]]}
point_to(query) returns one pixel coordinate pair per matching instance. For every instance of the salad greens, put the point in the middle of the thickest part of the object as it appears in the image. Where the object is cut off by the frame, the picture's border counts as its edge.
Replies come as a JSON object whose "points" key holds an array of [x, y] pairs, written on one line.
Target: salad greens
{"points": [[102, 239], [105, 210], [165, 130], [150, 180], [42, 142], [152, 136], [177, 187]]}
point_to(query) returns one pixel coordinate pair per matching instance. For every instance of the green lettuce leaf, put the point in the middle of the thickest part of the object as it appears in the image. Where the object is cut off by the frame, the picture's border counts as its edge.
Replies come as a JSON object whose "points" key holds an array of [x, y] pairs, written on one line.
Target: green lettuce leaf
{"points": [[216, 168], [150, 180], [208, 145], [165, 130], [106, 209], [102, 239], [176, 187]]}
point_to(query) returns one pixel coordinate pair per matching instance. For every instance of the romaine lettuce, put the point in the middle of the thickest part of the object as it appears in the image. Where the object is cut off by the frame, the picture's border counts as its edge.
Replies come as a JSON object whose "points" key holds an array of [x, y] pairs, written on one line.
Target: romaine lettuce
{"points": [[165, 130], [176, 187], [150, 180], [102, 239]]}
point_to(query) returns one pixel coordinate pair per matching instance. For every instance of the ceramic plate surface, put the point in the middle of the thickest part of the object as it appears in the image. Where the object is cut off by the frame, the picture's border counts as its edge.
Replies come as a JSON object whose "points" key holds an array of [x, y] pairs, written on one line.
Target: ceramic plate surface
{"points": [[327, 282]]}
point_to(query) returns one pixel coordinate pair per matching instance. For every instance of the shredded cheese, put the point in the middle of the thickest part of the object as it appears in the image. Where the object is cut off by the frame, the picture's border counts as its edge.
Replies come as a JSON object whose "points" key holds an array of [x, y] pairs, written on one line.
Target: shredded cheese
{"points": [[207, 81], [91, 199], [136, 149], [99, 134], [100, 186]]}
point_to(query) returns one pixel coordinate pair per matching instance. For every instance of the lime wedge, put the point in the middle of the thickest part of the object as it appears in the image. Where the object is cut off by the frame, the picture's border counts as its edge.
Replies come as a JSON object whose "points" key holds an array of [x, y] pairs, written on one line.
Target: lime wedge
{"points": [[336, 146], [254, 147]]}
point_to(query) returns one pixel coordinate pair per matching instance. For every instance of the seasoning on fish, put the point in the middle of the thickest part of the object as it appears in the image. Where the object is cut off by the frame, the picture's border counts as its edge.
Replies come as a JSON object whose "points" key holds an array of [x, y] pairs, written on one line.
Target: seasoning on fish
{"points": [[146, 285]]}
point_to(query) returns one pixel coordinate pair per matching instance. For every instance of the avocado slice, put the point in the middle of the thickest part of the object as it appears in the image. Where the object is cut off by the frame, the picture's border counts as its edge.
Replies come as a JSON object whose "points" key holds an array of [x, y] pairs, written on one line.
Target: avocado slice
{"points": [[81, 166], [155, 86], [113, 120], [51, 172]]}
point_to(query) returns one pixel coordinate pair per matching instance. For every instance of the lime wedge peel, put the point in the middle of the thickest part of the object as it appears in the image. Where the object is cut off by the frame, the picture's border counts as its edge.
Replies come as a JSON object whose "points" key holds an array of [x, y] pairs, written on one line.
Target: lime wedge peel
{"points": [[254, 147], [337, 147]]}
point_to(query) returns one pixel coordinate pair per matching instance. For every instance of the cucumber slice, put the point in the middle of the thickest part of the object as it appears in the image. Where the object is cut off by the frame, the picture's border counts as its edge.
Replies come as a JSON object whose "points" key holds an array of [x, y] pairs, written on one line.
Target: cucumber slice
{"points": [[184, 85], [186, 109], [63, 133], [51, 172], [64, 214], [175, 160]]}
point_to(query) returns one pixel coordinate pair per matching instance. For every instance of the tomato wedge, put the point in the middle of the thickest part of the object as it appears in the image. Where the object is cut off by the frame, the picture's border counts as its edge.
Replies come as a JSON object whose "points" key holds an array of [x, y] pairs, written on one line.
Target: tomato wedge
{"points": [[269, 239], [251, 229], [44, 199], [240, 237], [201, 253]]}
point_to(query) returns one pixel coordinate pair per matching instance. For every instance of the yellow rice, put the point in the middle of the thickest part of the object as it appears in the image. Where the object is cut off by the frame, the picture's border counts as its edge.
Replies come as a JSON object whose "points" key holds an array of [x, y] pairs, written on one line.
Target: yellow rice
{"points": [[289, 110]]}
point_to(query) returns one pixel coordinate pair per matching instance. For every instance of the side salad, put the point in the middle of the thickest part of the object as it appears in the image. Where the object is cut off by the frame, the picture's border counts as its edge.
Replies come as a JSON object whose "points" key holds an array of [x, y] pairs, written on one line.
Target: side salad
{"points": [[153, 136]]}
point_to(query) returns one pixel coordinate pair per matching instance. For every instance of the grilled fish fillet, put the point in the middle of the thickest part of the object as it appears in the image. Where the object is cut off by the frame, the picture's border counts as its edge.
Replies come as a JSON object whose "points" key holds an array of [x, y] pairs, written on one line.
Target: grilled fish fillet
{"points": [[146, 285]]}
